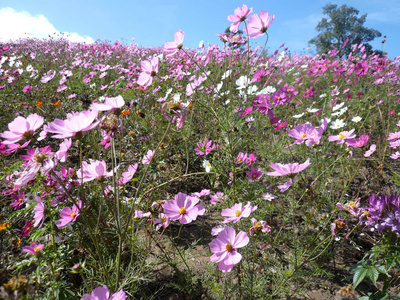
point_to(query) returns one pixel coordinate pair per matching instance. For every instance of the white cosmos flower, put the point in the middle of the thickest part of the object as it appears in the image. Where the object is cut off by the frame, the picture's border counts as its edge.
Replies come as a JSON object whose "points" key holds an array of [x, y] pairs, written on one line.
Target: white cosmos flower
{"points": [[298, 116], [338, 106], [337, 124], [356, 119], [312, 110], [207, 165], [242, 82]]}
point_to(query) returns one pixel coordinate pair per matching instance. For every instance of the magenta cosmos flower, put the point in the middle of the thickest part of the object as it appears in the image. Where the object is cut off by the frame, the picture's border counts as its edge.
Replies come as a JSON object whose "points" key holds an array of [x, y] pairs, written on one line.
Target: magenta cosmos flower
{"points": [[289, 169], [22, 128], [95, 170], [102, 293], [225, 248], [183, 208], [69, 214], [33, 249], [236, 212], [241, 14], [258, 25], [173, 47], [204, 148], [75, 124], [149, 71]]}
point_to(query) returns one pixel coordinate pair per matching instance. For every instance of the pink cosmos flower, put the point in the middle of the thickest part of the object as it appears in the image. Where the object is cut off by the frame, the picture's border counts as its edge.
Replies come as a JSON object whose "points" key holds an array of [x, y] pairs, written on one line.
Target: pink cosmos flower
{"points": [[110, 104], [259, 226], [102, 293], [69, 214], [36, 160], [127, 176], [218, 197], [289, 169], [284, 187], [204, 148], [395, 155], [358, 142], [341, 137], [162, 221], [149, 70], [240, 158], [147, 158], [140, 214], [173, 47], [27, 88], [254, 174], [49, 76], [250, 159], [75, 124], [22, 128], [302, 133], [224, 248], [258, 25], [39, 212], [176, 113], [183, 208], [61, 154], [353, 207], [95, 170], [241, 14], [237, 211], [370, 151], [33, 248]]}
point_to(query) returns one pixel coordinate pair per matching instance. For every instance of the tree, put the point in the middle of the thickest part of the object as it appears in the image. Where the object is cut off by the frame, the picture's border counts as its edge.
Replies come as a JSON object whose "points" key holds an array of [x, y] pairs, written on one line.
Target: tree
{"points": [[343, 25]]}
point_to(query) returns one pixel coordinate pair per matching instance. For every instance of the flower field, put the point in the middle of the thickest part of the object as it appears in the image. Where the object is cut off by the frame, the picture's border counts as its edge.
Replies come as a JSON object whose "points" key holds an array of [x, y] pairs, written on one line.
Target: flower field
{"points": [[221, 172]]}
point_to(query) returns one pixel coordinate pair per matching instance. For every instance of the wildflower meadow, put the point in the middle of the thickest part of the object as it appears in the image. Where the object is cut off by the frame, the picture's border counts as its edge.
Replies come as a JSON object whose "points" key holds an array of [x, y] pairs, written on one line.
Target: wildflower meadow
{"points": [[222, 172]]}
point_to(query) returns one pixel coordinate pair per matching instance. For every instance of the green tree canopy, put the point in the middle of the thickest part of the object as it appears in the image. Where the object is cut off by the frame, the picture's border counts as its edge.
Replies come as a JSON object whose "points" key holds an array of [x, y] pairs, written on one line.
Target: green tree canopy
{"points": [[343, 23]]}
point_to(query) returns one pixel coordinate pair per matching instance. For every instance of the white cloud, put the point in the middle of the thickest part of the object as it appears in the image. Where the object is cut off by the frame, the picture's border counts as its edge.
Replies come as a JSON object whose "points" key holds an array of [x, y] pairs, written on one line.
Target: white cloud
{"points": [[15, 25]]}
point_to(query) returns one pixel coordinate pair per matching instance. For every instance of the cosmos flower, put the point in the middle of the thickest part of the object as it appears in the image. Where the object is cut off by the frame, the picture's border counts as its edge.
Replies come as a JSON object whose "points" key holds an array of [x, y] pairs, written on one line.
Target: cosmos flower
{"points": [[237, 211], [224, 248], [102, 293], [183, 208], [241, 14], [149, 71], [75, 124], [173, 47], [22, 128], [258, 25], [288, 169], [69, 214]]}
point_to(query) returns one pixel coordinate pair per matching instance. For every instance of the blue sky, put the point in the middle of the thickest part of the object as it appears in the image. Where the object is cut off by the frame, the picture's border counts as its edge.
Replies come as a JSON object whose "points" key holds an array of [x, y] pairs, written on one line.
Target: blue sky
{"points": [[154, 22]]}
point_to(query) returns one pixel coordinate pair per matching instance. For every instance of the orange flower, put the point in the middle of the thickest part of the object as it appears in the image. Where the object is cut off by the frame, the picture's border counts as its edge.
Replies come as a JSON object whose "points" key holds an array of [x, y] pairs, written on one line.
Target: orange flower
{"points": [[39, 104], [141, 89], [125, 112], [58, 103], [190, 105], [4, 226]]}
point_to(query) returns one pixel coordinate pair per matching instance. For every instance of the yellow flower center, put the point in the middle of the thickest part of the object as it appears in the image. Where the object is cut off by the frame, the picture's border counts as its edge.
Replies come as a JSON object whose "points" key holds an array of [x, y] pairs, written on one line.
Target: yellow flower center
{"points": [[303, 135], [238, 213], [20, 200], [341, 136], [37, 250], [367, 214], [182, 211], [352, 204], [73, 214], [229, 247]]}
